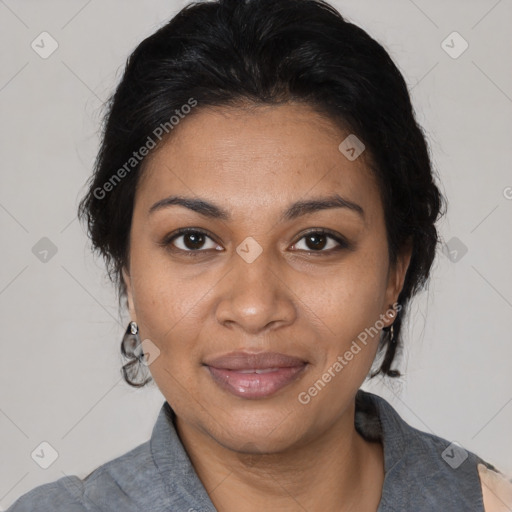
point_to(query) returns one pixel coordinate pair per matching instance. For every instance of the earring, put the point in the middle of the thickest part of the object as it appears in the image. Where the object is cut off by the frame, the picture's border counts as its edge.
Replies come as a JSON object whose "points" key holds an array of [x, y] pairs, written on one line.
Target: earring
{"points": [[134, 328], [390, 328], [131, 338]]}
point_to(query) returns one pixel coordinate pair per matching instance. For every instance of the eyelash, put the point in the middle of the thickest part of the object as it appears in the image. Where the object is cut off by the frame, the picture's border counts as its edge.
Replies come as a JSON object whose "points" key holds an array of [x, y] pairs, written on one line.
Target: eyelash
{"points": [[167, 242]]}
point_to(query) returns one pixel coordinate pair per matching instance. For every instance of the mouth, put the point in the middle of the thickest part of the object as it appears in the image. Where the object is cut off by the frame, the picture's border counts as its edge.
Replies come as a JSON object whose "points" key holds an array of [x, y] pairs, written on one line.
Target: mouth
{"points": [[253, 376]]}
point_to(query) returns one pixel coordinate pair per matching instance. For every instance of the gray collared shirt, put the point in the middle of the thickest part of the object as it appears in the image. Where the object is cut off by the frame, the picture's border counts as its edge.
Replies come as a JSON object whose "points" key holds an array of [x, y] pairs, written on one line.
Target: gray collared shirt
{"points": [[157, 476]]}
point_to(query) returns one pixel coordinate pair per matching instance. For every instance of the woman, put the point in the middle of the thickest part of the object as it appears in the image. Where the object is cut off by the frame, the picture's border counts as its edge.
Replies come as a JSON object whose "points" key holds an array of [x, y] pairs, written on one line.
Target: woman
{"points": [[265, 201]]}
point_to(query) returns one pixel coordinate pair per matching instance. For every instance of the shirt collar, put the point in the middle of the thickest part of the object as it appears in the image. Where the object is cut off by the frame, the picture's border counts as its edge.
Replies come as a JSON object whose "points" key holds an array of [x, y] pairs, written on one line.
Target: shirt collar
{"points": [[182, 484]]}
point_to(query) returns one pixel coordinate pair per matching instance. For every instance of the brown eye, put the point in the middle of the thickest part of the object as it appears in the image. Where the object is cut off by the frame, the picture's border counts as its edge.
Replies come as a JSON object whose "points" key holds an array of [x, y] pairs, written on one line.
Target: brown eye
{"points": [[316, 241], [321, 241], [193, 240], [190, 240]]}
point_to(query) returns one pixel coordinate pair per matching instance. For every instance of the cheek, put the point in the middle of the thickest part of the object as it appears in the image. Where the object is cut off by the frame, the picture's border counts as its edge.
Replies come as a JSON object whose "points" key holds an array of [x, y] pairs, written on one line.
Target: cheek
{"points": [[171, 308], [162, 291], [350, 298], [349, 306], [166, 311]]}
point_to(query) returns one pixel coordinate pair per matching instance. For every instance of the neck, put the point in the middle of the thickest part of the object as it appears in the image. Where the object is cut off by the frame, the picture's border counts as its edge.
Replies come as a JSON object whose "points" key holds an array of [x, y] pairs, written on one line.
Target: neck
{"points": [[338, 471]]}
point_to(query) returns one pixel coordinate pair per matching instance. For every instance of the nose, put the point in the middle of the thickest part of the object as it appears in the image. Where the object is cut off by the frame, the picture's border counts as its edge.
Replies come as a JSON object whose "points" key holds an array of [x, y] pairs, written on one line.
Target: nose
{"points": [[254, 297]]}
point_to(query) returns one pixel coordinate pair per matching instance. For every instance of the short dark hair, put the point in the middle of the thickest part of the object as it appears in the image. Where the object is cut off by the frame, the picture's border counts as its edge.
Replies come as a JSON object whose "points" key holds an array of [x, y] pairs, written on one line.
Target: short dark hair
{"points": [[268, 52]]}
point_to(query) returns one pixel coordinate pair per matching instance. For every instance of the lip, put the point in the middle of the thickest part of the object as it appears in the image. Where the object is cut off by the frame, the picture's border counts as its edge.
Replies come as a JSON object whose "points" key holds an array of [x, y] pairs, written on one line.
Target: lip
{"points": [[255, 375]]}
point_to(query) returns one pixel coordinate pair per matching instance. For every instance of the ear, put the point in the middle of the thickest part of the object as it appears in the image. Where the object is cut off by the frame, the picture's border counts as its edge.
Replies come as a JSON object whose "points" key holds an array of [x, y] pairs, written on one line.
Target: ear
{"points": [[397, 273], [129, 293]]}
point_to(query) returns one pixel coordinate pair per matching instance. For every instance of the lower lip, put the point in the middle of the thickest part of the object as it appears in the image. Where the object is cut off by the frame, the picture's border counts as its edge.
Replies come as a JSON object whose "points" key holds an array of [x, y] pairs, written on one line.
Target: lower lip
{"points": [[255, 385]]}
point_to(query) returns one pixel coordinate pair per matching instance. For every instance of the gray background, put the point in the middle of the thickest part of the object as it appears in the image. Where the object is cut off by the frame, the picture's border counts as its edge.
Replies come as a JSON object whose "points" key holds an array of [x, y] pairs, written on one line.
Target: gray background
{"points": [[60, 365]]}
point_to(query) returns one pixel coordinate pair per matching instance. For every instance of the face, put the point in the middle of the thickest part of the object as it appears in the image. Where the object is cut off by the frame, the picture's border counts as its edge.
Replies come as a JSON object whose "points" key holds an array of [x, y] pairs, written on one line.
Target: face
{"points": [[285, 253]]}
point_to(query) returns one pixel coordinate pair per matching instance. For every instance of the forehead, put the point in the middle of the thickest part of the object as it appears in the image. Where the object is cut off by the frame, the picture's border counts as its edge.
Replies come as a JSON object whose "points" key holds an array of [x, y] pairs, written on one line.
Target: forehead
{"points": [[257, 156]]}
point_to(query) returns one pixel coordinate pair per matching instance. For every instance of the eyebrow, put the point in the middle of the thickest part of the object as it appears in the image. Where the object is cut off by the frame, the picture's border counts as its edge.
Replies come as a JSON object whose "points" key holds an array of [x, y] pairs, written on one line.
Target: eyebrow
{"points": [[212, 211]]}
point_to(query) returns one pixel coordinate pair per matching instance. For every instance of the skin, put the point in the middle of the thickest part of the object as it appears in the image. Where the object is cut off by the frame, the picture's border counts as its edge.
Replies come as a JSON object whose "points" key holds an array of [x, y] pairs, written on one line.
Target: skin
{"points": [[255, 162]]}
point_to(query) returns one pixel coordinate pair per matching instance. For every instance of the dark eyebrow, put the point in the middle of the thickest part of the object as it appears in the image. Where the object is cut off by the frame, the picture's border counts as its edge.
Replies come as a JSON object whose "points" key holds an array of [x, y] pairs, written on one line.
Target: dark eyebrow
{"points": [[322, 203], [197, 205], [297, 209]]}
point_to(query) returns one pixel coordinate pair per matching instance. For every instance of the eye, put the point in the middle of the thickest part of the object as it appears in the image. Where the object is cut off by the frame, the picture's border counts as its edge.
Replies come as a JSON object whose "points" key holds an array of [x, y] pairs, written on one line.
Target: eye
{"points": [[190, 240], [321, 240], [195, 241]]}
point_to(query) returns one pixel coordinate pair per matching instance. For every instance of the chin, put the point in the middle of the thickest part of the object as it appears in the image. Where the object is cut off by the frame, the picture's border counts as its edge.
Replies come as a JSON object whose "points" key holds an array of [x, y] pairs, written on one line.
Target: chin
{"points": [[267, 430]]}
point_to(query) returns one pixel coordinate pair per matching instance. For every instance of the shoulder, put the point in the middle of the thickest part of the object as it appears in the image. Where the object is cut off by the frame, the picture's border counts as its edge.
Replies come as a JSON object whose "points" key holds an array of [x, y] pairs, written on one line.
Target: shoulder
{"points": [[496, 490], [426, 471], [62, 495], [116, 485]]}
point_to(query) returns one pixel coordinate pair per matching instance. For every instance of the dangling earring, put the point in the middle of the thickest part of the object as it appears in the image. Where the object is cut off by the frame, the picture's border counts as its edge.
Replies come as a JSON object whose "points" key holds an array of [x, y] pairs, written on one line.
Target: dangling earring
{"points": [[131, 336], [133, 327], [390, 329], [392, 334]]}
